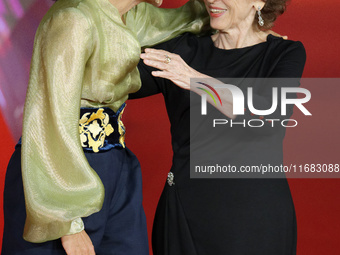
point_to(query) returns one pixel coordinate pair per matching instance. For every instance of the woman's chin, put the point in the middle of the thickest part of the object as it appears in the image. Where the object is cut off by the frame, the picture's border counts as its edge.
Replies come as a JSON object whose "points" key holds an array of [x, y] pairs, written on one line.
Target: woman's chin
{"points": [[217, 25]]}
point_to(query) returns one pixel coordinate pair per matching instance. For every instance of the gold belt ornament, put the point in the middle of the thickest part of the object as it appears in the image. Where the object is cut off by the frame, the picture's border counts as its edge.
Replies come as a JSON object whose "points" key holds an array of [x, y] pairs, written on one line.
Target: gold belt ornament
{"points": [[101, 128]]}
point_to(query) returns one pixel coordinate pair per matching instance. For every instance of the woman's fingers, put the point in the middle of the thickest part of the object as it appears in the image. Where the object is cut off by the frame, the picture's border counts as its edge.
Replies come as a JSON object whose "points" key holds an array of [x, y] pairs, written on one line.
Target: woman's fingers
{"points": [[162, 74], [155, 57], [171, 66], [156, 64], [159, 55], [161, 59]]}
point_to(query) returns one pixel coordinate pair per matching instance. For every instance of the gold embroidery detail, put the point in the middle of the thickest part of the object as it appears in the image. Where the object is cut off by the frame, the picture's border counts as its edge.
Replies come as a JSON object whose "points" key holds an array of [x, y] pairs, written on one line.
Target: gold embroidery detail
{"points": [[93, 129], [121, 129]]}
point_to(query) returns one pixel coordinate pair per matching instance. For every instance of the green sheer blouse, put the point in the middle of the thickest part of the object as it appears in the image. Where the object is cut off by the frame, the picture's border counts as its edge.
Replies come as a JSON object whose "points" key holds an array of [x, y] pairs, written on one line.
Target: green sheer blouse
{"points": [[84, 56]]}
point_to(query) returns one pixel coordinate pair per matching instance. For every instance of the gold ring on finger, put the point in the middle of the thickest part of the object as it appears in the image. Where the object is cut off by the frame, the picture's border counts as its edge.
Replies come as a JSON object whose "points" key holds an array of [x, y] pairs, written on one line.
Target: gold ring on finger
{"points": [[167, 59]]}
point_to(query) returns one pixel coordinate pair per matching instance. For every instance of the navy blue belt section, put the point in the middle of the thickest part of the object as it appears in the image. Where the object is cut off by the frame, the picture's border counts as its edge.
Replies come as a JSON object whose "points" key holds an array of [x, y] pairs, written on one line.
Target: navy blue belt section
{"points": [[100, 129]]}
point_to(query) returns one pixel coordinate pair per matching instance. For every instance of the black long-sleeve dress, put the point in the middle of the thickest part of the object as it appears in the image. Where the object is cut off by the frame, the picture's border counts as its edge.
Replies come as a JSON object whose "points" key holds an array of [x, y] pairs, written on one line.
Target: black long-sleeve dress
{"points": [[225, 216]]}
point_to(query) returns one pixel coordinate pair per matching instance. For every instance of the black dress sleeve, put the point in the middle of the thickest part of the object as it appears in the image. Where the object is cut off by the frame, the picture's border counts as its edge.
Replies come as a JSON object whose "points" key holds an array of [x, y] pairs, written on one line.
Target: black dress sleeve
{"points": [[287, 71], [292, 63], [153, 85], [150, 84]]}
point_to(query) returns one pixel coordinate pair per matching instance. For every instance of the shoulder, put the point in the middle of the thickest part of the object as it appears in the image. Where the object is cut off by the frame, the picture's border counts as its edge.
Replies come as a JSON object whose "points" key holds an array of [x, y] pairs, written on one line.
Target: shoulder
{"points": [[286, 58], [64, 26], [72, 14], [283, 48], [185, 45]]}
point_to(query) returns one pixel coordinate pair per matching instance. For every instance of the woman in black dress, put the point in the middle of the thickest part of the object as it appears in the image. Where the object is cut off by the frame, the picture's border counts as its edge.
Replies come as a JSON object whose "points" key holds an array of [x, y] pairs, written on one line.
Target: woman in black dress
{"points": [[253, 216]]}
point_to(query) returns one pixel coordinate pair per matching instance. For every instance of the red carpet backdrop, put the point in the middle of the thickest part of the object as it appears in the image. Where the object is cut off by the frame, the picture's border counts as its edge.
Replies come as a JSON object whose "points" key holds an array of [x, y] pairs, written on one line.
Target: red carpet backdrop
{"points": [[315, 23]]}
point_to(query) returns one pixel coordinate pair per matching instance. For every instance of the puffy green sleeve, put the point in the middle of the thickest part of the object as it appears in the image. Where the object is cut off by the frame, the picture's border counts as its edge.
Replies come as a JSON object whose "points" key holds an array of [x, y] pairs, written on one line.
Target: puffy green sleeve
{"points": [[155, 25], [60, 187]]}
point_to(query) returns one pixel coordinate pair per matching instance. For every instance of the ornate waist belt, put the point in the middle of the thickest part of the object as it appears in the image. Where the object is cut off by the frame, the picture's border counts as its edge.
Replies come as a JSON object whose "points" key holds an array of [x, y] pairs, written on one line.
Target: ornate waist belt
{"points": [[101, 129]]}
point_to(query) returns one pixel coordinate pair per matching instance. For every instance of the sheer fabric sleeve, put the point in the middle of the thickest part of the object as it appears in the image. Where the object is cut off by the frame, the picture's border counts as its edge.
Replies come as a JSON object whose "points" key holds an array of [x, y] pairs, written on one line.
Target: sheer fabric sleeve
{"points": [[60, 187], [154, 25]]}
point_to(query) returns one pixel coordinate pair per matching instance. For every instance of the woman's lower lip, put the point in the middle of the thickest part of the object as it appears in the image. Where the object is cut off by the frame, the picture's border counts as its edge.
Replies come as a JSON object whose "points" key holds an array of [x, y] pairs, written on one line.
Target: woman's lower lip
{"points": [[216, 15]]}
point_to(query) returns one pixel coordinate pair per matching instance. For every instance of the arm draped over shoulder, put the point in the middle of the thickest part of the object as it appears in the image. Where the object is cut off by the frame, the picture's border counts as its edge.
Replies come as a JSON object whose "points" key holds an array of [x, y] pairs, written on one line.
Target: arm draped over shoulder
{"points": [[154, 25]]}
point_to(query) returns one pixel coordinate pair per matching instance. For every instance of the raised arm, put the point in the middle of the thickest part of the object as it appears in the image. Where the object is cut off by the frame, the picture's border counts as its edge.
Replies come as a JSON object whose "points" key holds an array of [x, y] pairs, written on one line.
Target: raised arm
{"points": [[154, 25], [290, 65]]}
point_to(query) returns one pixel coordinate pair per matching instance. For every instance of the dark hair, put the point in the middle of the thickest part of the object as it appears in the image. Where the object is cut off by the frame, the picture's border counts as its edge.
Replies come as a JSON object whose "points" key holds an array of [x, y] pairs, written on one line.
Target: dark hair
{"points": [[271, 10]]}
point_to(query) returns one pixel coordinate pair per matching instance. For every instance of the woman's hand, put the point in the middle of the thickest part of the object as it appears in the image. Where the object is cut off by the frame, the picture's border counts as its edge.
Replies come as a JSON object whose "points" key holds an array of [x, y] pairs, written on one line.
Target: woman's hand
{"points": [[78, 244], [174, 68], [171, 67]]}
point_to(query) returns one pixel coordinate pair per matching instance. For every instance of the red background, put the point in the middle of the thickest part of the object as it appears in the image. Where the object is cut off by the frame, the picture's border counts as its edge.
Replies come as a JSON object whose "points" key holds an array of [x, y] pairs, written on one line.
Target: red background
{"points": [[316, 24]]}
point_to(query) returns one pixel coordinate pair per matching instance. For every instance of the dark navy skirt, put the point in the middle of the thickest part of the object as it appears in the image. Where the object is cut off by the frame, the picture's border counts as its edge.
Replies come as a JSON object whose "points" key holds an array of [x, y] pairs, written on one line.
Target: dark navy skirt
{"points": [[119, 228]]}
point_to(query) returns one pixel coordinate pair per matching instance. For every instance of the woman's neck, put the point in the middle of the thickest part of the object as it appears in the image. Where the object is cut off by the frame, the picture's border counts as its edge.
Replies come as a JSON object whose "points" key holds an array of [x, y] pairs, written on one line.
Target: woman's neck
{"points": [[238, 37]]}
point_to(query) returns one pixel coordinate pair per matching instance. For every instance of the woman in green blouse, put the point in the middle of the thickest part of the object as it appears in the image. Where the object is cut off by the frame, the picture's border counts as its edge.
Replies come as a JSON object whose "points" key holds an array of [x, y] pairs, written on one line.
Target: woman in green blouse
{"points": [[85, 57]]}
